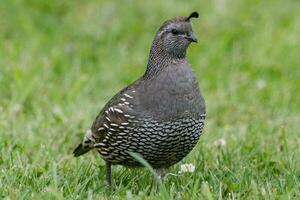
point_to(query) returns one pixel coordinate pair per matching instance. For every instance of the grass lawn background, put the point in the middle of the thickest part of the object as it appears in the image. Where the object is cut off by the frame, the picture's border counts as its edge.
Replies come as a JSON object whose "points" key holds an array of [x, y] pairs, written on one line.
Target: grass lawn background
{"points": [[60, 61]]}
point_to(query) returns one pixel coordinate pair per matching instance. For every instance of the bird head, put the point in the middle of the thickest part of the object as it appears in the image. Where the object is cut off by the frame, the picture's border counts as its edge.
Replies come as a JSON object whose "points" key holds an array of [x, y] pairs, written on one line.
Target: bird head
{"points": [[175, 35]]}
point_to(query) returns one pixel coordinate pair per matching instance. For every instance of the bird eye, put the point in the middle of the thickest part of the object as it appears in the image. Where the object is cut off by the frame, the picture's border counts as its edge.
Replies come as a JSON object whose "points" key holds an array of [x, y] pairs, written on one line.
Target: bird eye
{"points": [[175, 32]]}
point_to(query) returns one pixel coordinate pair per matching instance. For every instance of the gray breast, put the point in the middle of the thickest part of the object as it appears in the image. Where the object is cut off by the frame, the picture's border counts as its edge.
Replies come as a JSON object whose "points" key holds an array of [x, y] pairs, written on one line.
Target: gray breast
{"points": [[174, 93]]}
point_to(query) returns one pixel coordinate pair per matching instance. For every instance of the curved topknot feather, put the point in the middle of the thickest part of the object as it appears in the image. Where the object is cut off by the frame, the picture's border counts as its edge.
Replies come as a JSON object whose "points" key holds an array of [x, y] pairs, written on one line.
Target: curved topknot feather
{"points": [[193, 15]]}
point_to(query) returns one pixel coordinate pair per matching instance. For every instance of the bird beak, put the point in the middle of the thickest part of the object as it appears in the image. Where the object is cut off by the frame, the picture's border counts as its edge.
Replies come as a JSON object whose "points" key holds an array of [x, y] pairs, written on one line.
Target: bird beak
{"points": [[191, 37]]}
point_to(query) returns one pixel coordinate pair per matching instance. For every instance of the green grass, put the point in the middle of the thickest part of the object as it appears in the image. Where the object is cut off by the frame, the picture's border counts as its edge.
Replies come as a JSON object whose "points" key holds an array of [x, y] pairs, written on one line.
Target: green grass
{"points": [[61, 60]]}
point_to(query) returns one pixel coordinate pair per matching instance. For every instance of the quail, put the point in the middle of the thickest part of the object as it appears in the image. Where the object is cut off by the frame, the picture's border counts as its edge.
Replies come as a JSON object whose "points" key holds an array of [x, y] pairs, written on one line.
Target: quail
{"points": [[161, 115]]}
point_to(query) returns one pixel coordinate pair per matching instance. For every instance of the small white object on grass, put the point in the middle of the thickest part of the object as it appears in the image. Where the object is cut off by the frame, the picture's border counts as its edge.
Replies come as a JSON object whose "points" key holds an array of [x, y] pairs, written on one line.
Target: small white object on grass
{"points": [[187, 168], [56, 110], [261, 84], [220, 142]]}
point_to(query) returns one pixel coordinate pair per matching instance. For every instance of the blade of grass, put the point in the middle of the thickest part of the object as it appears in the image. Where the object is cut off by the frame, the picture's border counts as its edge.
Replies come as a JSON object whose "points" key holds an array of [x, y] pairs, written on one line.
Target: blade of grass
{"points": [[140, 159]]}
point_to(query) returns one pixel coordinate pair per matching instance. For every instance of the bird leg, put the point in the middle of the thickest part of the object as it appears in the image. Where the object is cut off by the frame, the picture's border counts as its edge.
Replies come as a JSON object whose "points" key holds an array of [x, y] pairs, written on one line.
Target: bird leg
{"points": [[108, 173], [161, 174]]}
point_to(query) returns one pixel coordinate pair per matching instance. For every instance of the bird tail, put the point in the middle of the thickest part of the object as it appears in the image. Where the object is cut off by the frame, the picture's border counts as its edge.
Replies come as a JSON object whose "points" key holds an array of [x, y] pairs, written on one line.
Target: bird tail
{"points": [[80, 150], [86, 145]]}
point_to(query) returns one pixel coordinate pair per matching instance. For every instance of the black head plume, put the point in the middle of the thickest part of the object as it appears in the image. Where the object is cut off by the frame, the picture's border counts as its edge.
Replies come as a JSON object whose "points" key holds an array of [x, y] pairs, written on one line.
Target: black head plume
{"points": [[193, 15]]}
